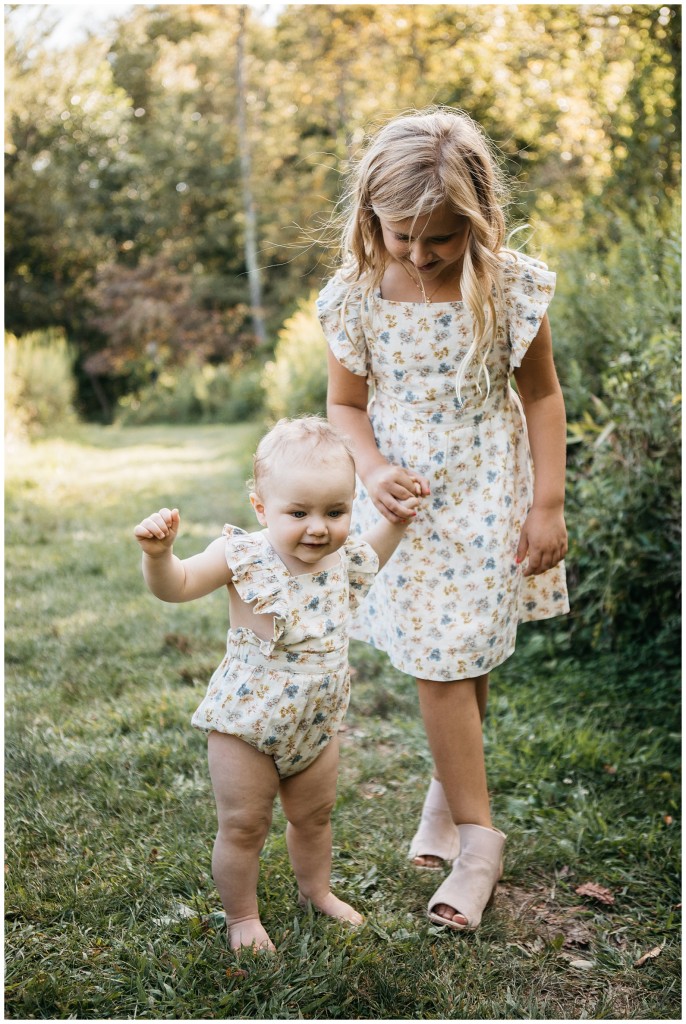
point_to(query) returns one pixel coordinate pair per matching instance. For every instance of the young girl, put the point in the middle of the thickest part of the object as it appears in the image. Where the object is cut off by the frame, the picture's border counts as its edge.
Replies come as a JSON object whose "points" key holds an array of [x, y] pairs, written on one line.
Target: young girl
{"points": [[433, 315], [274, 706]]}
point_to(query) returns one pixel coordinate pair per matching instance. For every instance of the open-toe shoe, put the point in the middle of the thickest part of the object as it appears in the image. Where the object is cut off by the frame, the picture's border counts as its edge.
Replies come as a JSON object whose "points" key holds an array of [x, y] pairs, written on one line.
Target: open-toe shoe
{"points": [[437, 835], [470, 886]]}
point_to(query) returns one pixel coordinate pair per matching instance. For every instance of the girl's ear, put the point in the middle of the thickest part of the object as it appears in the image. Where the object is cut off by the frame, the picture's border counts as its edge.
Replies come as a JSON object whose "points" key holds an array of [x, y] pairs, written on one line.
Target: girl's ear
{"points": [[258, 505]]}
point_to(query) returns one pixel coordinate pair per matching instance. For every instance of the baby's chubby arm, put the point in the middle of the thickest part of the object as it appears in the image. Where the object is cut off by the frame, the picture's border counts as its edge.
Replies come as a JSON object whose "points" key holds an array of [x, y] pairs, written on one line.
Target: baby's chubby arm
{"points": [[173, 579]]}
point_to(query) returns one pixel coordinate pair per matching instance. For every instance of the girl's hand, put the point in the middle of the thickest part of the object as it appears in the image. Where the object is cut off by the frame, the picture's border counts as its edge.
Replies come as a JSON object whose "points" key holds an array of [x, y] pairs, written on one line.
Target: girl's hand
{"points": [[544, 539], [395, 491], [157, 533]]}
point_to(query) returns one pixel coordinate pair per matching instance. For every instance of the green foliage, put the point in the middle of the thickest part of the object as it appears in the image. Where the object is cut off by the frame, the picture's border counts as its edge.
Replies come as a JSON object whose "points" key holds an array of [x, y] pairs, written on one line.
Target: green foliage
{"points": [[228, 393], [39, 382], [295, 380], [620, 359], [124, 151]]}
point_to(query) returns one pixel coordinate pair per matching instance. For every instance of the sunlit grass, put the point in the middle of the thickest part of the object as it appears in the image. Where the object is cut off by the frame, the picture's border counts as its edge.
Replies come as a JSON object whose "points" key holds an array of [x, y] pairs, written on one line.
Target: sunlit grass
{"points": [[110, 817]]}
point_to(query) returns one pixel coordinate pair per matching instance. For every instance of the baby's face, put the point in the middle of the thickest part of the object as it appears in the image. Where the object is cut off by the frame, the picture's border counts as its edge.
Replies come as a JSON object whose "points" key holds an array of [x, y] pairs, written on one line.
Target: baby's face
{"points": [[307, 508]]}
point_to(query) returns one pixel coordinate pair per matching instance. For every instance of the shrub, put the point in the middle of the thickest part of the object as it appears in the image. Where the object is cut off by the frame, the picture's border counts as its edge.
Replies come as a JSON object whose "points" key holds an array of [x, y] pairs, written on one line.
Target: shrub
{"points": [[39, 382], [295, 380], [229, 393], [621, 362]]}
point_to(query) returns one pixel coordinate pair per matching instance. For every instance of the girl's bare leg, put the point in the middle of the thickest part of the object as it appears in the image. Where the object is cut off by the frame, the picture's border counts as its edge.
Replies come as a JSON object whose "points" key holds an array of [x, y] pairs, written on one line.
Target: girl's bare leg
{"points": [[481, 684], [308, 799], [245, 783], [452, 713]]}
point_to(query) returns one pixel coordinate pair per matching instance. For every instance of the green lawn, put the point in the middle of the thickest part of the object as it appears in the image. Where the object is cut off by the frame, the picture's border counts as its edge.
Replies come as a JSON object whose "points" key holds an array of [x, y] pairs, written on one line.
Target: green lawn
{"points": [[110, 818]]}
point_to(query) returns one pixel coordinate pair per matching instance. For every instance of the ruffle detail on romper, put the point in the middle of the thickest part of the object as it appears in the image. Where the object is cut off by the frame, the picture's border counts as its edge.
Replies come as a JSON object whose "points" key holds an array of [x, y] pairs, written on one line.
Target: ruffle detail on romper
{"points": [[346, 340], [256, 578], [363, 566], [529, 287]]}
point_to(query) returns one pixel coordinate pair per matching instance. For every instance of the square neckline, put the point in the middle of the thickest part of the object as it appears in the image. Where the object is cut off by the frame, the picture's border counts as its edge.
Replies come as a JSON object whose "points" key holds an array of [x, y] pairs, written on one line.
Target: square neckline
{"points": [[409, 302]]}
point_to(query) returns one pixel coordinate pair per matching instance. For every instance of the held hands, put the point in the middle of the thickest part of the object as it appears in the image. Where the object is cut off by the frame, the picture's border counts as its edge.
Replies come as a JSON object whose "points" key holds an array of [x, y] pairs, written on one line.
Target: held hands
{"points": [[544, 539], [158, 531], [396, 492]]}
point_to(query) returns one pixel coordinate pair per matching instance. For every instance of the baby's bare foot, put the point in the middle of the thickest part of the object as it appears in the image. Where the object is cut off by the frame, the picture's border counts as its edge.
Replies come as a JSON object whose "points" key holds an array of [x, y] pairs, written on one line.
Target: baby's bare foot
{"points": [[333, 907], [250, 933]]}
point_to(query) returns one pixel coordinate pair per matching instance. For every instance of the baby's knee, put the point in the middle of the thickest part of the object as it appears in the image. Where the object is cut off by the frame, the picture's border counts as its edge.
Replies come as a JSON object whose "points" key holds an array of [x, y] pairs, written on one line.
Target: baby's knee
{"points": [[313, 815], [244, 828]]}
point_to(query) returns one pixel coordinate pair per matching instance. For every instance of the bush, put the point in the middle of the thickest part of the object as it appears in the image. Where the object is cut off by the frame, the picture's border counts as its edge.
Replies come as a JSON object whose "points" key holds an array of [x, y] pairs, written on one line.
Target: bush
{"points": [[39, 382], [621, 361], [625, 280], [295, 380], [230, 393]]}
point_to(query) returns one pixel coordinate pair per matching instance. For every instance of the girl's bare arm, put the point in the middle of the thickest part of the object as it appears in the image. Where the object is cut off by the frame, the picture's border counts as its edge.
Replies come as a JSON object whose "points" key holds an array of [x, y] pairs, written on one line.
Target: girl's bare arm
{"points": [[544, 534], [391, 487]]}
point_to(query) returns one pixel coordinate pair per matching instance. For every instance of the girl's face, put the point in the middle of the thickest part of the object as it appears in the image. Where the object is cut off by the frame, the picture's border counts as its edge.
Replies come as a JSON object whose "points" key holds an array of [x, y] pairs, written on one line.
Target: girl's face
{"points": [[434, 244], [307, 510]]}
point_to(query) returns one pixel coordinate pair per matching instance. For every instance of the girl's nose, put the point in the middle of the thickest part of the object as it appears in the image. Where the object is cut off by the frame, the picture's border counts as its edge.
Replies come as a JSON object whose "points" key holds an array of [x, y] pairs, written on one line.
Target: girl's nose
{"points": [[419, 252]]}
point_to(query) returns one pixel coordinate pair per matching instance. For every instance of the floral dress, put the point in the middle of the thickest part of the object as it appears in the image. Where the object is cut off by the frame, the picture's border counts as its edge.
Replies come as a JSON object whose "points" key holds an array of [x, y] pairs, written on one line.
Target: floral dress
{"points": [[288, 695], [447, 604]]}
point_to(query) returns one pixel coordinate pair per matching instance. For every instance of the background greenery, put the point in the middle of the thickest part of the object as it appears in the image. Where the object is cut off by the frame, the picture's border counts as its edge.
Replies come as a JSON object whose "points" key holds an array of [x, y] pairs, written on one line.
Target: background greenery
{"points": [[125, 213], [127, 302]]}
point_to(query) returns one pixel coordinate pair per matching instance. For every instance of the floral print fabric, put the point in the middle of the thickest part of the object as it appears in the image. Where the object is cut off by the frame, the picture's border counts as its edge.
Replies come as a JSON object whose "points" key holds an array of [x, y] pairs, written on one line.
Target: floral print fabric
{"points": [[447, 604], [288, 695]]}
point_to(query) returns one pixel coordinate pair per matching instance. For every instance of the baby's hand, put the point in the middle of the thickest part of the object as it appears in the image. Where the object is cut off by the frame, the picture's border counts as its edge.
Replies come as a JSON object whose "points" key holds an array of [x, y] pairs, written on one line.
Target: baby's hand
{"points": [[396, 491], [158, 531]]}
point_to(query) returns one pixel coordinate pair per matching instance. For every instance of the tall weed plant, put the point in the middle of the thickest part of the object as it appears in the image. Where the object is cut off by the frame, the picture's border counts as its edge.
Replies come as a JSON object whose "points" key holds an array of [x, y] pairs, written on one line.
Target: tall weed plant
{"points": [[620, 359], [295, 379], [39, 383]]}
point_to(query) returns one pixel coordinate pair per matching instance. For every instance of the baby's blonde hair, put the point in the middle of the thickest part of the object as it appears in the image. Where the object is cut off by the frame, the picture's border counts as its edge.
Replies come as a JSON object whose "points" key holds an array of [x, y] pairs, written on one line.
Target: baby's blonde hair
{"points": [[302, 439], [413, 164]]}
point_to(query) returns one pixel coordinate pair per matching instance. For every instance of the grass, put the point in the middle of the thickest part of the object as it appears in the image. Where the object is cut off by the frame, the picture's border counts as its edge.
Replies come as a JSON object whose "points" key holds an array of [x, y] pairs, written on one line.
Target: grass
{"points": [[110, 818]]}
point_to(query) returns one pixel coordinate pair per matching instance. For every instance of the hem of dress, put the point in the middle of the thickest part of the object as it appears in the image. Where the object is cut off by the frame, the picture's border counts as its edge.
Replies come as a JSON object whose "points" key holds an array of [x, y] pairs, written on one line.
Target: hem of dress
{"points": [[541, 618], [477, 671]]}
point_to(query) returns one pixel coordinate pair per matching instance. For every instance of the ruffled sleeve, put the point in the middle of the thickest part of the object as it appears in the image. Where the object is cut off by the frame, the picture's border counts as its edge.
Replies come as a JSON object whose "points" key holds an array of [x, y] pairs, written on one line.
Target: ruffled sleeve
{"points": [[528, 289], [255, 576], [345, 335], [363, 565]]}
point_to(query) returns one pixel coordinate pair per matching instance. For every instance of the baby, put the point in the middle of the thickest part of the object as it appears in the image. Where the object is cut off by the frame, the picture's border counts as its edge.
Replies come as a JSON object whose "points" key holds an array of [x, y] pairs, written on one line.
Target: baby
{"points": [[275, 704]]}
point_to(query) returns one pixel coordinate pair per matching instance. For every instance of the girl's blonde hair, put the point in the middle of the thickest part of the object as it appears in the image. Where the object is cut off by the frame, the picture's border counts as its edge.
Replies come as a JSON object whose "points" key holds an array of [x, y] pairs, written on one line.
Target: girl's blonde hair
{"points": [[413, 164], [305, 438]]}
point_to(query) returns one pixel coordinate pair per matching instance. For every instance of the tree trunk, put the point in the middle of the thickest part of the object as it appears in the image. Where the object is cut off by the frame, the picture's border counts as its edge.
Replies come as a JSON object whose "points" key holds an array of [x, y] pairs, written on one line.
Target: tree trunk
{"points": [[254, 280]]}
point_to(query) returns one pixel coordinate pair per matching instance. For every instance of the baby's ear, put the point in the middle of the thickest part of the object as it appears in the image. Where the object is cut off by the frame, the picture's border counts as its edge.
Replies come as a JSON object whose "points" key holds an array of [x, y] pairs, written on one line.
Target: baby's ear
{"points": [[258, 505]]}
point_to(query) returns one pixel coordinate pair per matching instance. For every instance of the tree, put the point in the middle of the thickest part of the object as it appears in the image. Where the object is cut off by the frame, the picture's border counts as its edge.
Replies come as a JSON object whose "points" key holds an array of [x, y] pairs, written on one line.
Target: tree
{"points": [[250, 219]]}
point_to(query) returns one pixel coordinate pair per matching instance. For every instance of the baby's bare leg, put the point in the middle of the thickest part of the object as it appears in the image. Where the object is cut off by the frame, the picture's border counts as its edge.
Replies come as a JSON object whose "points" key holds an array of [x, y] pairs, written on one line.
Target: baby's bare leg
{"points": [[245, 783], [308, 800]]}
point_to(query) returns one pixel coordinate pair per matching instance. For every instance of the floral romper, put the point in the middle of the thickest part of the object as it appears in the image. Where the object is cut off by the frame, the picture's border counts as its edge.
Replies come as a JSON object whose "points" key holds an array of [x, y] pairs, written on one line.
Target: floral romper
{"points": [[287, 696], [447, 604]]}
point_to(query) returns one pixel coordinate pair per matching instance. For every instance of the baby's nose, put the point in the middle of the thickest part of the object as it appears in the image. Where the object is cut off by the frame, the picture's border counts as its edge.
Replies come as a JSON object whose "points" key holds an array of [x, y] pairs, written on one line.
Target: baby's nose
{"points": [[316, 526]]}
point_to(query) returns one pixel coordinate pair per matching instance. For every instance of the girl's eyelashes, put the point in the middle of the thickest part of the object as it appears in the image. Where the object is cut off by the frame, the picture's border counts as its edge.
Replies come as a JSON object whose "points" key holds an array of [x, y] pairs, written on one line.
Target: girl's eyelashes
{"points": [[432, 241]]}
